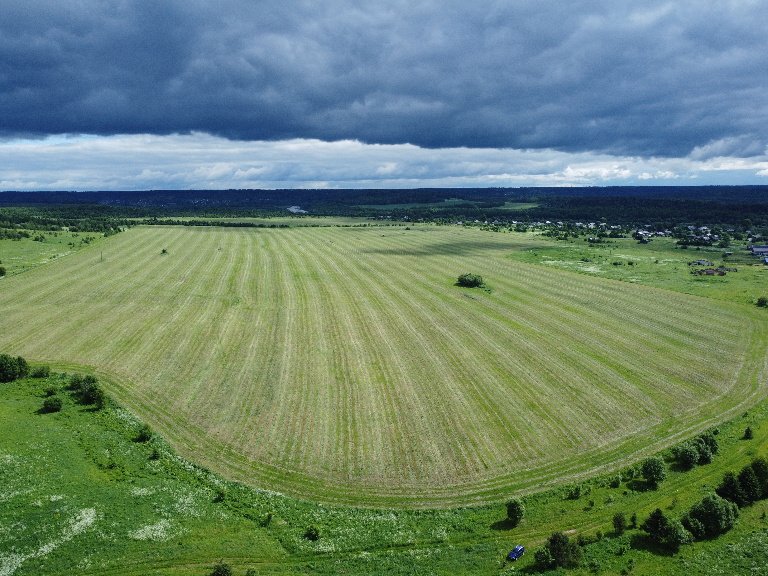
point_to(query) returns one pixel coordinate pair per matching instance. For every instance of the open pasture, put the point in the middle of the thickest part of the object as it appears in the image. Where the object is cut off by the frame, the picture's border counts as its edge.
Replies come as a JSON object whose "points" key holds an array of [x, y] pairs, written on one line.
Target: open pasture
{"points": [[344, 365], [661, 264], [451, 202], [20, 255]]}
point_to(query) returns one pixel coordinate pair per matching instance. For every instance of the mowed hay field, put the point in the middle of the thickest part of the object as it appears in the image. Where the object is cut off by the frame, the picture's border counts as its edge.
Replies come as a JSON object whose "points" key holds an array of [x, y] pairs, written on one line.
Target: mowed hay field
{"points": [[344, 365]]}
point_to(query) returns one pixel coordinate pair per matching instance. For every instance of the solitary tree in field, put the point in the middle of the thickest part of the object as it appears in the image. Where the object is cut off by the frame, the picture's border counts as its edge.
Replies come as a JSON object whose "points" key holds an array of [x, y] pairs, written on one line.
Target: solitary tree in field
{"points": [[711, 517], [52, 404], [312, 533], [515, 511], [144, 434], [619, 523], [221, 569], [470, 280], [654, 470]]}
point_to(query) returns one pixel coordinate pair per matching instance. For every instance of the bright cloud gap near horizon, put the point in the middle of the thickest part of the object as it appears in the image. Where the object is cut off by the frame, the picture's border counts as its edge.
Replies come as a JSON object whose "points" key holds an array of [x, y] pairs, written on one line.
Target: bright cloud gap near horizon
{"points": [[204, 161]]}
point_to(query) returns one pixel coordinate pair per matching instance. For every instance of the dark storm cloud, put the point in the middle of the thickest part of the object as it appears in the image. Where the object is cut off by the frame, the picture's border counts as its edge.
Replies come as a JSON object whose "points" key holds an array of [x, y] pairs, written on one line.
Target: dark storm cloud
{"points": [[633, 78]]}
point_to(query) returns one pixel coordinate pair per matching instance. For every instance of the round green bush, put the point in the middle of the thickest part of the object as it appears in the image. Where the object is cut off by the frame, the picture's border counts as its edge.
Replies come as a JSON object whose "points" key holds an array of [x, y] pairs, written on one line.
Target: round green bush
{"points": [[52, 404], [470, 280]]}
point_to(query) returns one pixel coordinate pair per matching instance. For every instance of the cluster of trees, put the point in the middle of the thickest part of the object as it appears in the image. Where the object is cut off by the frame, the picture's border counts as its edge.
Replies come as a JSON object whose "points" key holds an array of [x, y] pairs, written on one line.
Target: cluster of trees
{"points": [[712, 516], [17, 368], [664, 531], [748, 486], [15, 221], [706, 519], [716, 513], [87, 390], [108, 212], [12, 368], [13, 234], [559, 552], [700, 450]]}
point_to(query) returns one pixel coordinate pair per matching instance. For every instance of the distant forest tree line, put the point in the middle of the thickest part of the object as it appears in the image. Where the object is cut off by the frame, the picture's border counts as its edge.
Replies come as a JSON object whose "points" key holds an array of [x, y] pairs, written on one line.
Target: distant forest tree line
{"points": [[108, 212]]}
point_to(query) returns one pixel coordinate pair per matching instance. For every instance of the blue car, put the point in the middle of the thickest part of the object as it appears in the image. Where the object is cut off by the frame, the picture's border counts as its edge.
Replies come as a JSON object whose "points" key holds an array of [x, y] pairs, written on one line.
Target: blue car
{"points": [[516, 552]]}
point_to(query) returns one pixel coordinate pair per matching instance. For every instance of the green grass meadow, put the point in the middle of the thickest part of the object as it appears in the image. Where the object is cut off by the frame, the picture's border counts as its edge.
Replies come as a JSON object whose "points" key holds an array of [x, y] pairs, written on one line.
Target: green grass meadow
{"points": [[337, 377], [19, 255], [660, 263], [80, 496], [344, 365]]}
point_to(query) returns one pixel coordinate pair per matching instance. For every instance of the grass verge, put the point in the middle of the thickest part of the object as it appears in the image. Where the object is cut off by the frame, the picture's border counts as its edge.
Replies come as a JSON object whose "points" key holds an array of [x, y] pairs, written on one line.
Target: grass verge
{"points": [[81, 495]]}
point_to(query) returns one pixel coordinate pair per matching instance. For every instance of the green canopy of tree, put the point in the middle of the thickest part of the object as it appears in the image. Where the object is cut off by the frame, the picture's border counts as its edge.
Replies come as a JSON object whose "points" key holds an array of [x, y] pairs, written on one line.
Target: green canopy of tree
{"points": [[470, 280], [711, 517], [654, 470], [12, 368], [559, 551]]}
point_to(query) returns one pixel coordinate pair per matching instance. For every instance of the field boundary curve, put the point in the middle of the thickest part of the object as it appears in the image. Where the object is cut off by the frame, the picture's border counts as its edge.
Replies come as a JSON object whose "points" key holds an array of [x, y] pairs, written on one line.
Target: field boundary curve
{"points": [[344, 365]]}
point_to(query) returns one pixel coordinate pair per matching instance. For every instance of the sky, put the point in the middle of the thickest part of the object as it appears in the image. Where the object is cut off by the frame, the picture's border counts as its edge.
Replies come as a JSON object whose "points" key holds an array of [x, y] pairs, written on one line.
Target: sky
{"points": [[167, 94]]}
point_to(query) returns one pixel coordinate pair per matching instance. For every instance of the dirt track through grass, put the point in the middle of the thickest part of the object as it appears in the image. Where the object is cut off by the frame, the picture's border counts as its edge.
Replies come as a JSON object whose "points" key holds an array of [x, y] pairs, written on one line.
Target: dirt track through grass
{"points": [[342, 364]]}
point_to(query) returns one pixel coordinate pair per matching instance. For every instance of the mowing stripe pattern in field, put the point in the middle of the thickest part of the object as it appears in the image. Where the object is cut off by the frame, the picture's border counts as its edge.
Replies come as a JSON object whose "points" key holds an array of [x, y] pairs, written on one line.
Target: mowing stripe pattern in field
{"points": [[343, 364]]}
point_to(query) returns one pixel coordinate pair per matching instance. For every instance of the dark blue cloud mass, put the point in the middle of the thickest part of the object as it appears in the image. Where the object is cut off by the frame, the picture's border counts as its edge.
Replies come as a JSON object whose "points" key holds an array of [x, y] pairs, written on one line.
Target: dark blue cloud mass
{"points": [[636, 78]]}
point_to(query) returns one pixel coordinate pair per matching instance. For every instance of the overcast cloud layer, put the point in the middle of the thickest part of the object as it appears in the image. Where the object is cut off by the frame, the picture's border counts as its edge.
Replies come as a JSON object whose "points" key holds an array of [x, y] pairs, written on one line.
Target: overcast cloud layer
{"points": [[636, 80]]}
